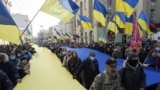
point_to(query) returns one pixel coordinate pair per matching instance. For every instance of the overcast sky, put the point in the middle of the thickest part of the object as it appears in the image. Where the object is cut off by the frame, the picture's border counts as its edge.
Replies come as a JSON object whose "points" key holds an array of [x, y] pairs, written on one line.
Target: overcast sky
{"points": [[30, 8]]}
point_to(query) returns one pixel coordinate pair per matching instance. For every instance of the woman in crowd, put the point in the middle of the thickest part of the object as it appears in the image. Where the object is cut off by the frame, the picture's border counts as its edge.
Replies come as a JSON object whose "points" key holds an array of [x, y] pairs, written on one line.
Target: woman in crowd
{"points": [[73, 63], [151, 59]]}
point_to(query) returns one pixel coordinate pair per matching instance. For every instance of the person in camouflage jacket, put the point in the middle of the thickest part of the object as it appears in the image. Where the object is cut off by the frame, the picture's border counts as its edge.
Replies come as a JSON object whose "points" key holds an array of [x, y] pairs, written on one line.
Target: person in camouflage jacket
{"points": [[108, 80]]}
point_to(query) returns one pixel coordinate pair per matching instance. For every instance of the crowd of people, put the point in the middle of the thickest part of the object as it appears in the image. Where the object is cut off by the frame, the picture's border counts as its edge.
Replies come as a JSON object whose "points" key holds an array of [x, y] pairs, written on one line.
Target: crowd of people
{"points": [[14, 64], [131, 76]]}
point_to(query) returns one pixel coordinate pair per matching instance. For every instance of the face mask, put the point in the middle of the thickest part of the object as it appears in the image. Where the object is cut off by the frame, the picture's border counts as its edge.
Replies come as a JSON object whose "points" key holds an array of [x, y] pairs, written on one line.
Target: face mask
{"points": [[12, 57], [92, 58], [64, 52], [133, 62]]}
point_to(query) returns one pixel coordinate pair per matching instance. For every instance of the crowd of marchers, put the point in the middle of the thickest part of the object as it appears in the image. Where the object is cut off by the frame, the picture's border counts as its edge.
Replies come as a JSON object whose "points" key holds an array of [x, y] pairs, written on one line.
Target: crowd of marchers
{"points": [[131, 76], [14, 64]]}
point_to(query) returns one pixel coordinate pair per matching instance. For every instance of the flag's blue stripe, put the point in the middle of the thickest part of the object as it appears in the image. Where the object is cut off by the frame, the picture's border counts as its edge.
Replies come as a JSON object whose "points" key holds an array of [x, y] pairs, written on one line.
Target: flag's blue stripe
{"points": [[5, 17], [74, 6], [58, 32], [111, 19], [129, 19], [121, 15], [131, 3], [99, 7], [144, 17], [70, 5], [85, 19]]}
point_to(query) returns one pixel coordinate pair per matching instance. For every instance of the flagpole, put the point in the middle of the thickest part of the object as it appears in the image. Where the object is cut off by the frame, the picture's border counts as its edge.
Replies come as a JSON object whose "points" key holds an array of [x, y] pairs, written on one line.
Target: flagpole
{"points": [[29, 24], [31, 21]]}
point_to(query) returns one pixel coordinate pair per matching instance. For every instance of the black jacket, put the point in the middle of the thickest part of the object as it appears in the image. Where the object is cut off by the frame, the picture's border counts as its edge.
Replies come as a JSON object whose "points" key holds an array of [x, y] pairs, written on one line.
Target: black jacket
{"points": [[133, 78], [11, 70], [73, 66], [5, 83], [90, 68]]}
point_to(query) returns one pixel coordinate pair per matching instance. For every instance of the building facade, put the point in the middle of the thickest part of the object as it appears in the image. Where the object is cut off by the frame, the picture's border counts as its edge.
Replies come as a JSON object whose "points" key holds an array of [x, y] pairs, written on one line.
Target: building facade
{"points": [[151, 7]]}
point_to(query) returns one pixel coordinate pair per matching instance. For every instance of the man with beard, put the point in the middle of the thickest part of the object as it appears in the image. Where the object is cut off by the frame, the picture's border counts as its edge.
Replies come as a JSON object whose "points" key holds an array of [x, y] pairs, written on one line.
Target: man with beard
{"points": [[132, 74], [109, 79]]}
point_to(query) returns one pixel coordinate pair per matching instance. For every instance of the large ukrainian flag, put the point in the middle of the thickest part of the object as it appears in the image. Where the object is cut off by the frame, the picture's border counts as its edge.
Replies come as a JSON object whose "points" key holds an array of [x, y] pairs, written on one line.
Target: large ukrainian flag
{"points": [[55, 8], [99, 12], [8, 28], [143, 21], [86, 22]]}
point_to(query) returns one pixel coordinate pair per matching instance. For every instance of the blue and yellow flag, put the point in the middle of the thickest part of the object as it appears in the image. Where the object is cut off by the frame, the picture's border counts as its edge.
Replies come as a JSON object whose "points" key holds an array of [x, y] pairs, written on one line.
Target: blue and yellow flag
{"points": [[119, 19], [129, 6], [128, 30], [70, 5], [8, 28], [99, 12], [55, 8], [58, 33], [85, 22], [102, 38], [119, 7], [28, 32], [143, 21], [67, 35], [112, 26]]}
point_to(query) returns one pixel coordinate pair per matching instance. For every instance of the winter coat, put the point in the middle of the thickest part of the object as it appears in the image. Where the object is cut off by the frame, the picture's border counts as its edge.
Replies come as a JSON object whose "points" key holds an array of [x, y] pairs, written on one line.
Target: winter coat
{"points": [[104, 82], [132, 78], [90, 68], [5, 83], [10, 69]]}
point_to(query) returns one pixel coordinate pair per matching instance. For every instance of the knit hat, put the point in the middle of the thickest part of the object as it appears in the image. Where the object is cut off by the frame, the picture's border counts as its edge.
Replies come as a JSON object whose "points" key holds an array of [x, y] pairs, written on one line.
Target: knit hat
{"points": [[132, 55]]}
